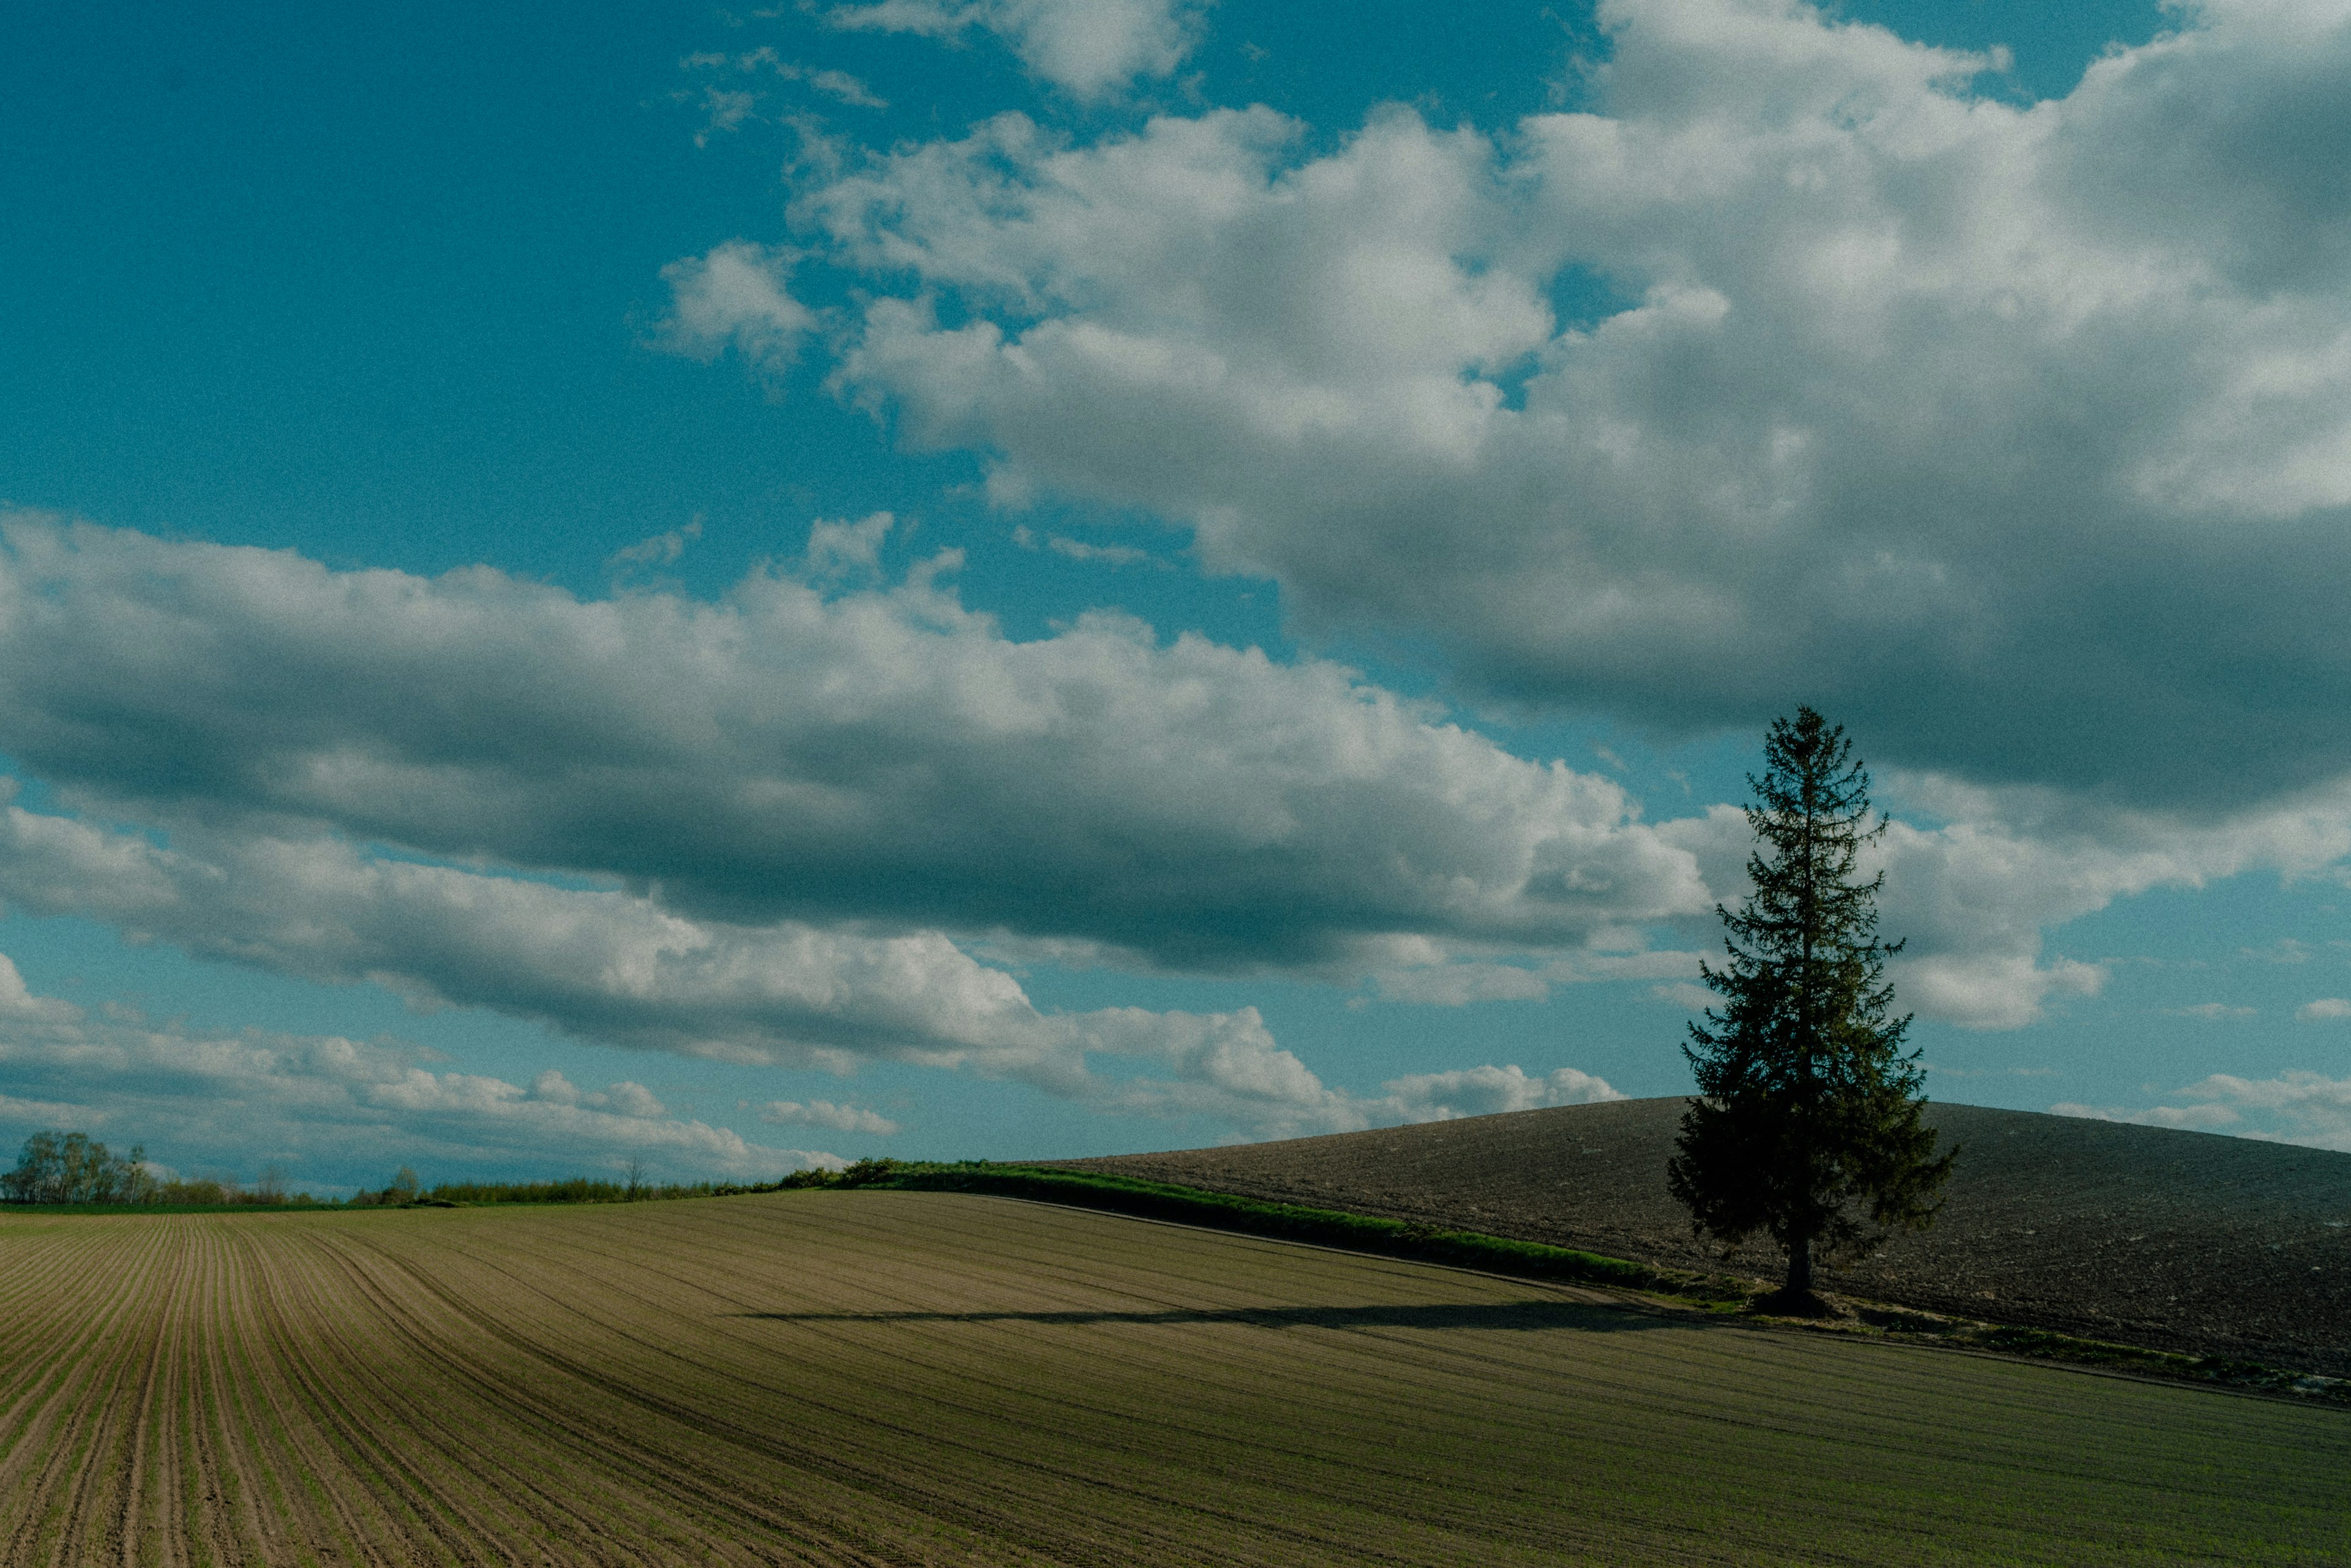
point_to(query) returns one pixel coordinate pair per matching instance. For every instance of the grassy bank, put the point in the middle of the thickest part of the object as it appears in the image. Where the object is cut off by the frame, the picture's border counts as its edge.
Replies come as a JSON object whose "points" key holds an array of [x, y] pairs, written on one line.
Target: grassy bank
{"points": [[1325, 1227]]}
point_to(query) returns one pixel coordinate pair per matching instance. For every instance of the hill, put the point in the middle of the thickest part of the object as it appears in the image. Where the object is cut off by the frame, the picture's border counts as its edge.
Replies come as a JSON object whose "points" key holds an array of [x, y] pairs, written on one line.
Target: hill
{"points": [[2176, 1240], [882, 1378]]}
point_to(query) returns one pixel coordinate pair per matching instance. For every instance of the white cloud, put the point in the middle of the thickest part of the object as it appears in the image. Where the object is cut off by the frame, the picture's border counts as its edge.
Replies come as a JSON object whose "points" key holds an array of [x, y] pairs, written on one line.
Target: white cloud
{"points": [[871, 756], [782, 825], [724, 110], [734, 297], [2015, 436], [803, 808], [847, 88], [324, 1104], [846, 551], [1485, 1091], [2182, 1118], [661, 549], [1087, 47], [610, 967], [729, 110], [1974, 897], [2295, 1107], [2325, 1010], [1079, 550], [765, 830], [601, 965], [1113, 555], [825, 1114], [1238, 1075]]}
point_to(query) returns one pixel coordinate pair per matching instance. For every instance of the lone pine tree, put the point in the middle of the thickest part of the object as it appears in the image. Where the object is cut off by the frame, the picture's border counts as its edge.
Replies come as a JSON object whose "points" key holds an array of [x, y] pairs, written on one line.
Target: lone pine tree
{"points": [[1807, 1126]]}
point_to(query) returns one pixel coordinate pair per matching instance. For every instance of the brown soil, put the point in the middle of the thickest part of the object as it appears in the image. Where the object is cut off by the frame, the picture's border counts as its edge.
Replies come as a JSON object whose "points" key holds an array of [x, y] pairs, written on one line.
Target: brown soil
{"points": [[885, 1380], [2184, 1241]]}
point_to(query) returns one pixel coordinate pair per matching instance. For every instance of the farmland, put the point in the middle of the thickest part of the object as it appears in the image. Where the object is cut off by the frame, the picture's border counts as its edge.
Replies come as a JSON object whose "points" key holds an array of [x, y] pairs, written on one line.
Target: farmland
{"points": [[909, 1377], [2181, 1241]]}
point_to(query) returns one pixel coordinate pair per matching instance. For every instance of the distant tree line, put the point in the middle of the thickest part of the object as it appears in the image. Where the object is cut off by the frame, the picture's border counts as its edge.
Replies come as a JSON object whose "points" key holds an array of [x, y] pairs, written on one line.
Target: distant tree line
{"points": [[75, 1168]]}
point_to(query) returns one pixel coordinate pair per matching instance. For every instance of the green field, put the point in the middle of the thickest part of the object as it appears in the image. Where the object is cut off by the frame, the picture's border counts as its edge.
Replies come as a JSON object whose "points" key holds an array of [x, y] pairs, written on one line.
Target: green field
{"points": [[909, 1377]]}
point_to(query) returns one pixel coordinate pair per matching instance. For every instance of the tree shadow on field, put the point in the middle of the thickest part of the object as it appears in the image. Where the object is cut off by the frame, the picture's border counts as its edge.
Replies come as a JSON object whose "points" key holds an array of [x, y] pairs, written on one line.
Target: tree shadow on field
{"points": [[1515, 1315]]}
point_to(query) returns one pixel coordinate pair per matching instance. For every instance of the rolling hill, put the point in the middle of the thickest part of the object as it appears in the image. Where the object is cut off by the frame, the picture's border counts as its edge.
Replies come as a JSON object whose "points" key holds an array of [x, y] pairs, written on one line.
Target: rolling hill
{"points": [[2175, 1240]]}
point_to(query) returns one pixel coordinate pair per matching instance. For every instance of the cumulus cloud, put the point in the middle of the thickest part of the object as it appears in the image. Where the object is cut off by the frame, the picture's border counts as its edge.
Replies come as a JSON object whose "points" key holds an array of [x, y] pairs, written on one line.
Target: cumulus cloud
{"points": [[343, 1107], [2013, 435], [800, 810], [773, 829], [2297, 1107], [1086, 47], [612, 967], [825, 1114], [1240, 1076], [1485, 1091], [795, 752], [734, 297], [1975, 896], [2326, 1009]]}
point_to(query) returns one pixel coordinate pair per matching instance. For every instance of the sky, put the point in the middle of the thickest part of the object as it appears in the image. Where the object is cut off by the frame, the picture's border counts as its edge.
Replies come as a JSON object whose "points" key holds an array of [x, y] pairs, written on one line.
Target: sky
{"points": [[1024, 577]]}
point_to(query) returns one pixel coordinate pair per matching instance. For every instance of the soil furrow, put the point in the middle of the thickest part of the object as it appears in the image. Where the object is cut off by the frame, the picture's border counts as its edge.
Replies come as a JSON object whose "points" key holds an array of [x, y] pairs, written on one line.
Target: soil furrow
{"points": [[865, 1380]]}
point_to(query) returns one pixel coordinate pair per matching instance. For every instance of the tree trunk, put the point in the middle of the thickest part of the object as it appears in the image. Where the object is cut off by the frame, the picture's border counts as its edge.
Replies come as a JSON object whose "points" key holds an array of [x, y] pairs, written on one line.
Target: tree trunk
{"points": [[1800, 1269]]}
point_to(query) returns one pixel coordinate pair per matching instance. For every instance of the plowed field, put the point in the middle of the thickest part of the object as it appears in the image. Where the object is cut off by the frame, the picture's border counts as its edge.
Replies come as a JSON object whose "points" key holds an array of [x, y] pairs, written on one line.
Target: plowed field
{"points": [[2184, 1242], [881, 1377]]}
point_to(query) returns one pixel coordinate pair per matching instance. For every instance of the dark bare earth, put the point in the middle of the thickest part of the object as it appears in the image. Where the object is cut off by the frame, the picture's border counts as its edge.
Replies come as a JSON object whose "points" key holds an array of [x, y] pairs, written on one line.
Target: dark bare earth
{"points": [[2184, 1242]]}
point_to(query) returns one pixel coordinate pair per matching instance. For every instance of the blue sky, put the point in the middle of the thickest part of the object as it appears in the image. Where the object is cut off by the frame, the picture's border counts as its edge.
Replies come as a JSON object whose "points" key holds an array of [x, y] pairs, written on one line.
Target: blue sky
{"points": [[1014, 577]]}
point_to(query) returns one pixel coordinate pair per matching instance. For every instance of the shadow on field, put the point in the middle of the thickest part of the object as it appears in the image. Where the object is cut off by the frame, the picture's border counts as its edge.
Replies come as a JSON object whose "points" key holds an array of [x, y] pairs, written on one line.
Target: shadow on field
{"points": [[1519, 1315]]}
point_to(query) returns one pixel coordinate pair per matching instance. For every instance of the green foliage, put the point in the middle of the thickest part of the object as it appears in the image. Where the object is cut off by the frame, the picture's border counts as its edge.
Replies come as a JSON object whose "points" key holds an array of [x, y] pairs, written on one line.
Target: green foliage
{"points": [[870, 1173], [74, 1167], [1808, 1123], [864, 1172], [71, 1168], [574, 1189]]}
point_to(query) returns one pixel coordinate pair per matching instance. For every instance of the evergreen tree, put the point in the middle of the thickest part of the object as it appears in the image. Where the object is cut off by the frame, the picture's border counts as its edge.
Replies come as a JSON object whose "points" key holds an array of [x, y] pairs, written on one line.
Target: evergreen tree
{"points": [[1807, 1126]]}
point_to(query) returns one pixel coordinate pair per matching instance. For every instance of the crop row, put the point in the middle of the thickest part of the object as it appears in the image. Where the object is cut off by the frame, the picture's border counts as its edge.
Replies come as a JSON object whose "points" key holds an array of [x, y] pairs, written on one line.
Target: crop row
{"points": [[896, 1378]]}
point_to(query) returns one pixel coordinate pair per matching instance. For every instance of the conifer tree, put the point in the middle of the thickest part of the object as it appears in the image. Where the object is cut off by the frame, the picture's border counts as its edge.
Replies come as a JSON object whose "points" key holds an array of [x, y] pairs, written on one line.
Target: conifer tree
{"points": [[1807, 1126]]}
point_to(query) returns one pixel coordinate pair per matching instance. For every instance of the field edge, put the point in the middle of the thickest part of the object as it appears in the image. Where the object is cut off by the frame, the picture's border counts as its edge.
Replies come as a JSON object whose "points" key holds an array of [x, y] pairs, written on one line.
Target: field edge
{"points": [[1714, 1293]]}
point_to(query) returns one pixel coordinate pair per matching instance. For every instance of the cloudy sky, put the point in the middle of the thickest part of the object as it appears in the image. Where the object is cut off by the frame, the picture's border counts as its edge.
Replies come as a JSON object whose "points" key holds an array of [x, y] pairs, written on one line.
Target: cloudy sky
{"points": [[1026, 576]]}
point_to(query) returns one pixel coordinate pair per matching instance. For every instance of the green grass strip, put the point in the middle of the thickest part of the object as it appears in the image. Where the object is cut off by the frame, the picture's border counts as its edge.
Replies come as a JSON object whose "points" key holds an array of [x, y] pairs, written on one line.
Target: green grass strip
{"points": [[1294, 1222]]}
